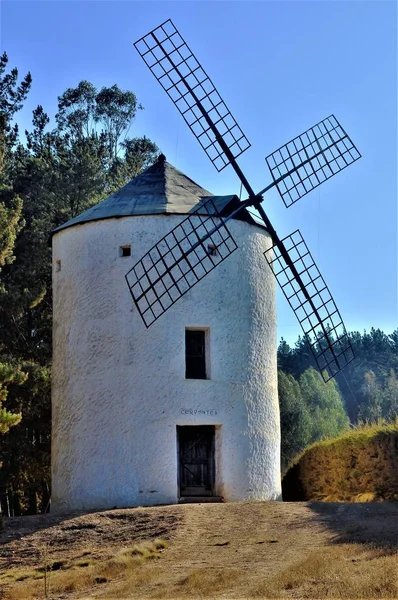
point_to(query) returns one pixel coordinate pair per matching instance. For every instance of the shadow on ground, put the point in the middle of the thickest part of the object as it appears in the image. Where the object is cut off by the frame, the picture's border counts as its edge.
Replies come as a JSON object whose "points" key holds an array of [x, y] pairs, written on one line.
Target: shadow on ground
{"points": [[22, 537], [374, 523]]}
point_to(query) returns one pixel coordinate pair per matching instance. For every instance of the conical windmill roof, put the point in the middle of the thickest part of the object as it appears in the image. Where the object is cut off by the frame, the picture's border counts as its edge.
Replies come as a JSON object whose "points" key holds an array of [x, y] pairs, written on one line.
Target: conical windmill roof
{"points": [[159, 190]]}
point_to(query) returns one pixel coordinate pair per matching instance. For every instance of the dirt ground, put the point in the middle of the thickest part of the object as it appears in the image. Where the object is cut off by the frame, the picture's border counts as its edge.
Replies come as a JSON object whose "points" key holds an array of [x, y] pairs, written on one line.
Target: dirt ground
{"points": [[250, 541]]}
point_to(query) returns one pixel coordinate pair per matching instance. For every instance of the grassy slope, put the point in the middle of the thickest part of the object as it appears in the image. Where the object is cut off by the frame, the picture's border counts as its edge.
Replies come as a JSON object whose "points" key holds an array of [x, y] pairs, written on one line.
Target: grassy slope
{"points": [[360, 465]]}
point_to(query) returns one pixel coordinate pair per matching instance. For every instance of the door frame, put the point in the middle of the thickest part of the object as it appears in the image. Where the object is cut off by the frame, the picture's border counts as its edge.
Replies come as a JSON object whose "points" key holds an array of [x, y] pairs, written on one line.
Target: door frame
{"points": [[211, 492]]}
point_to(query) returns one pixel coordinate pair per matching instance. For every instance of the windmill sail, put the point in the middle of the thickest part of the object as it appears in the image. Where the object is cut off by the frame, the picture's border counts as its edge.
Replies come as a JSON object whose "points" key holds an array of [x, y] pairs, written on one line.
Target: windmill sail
{"points": [[310, 298], [198, 244], [310, 159], [179, 260], [193, 92]]}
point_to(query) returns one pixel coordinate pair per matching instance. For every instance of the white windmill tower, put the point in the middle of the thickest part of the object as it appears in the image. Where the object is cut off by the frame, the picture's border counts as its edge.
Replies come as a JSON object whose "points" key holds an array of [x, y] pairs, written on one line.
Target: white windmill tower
{"points": [[187, 407]]}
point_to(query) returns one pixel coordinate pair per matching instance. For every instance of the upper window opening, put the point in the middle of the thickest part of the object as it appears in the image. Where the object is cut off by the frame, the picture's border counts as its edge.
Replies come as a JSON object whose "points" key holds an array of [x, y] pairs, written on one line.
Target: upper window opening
{"points": [[125, 250], [58, 265], [195, 354]]}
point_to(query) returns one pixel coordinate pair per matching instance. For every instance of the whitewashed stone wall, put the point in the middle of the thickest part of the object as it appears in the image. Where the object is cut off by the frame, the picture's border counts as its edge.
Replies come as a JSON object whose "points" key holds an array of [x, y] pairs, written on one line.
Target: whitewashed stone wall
{"points": [[119, 389]]}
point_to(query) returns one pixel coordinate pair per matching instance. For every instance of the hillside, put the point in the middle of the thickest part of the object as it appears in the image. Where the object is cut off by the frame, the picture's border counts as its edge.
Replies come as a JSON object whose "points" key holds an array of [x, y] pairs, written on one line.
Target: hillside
{"points": [[240, 550], [361, 465]]}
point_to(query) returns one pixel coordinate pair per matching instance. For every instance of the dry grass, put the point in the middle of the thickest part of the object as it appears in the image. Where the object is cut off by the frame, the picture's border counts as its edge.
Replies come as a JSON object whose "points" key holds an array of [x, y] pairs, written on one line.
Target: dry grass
{"points": [[359, 465], [60, 577], [338, 572], [356, 434], [230, 551], [344, 571], [207, 581]]}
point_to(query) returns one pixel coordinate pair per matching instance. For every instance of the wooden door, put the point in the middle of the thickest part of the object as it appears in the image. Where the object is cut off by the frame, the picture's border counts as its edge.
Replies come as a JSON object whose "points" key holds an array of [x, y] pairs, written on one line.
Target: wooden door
{"points": [[196, 460]]}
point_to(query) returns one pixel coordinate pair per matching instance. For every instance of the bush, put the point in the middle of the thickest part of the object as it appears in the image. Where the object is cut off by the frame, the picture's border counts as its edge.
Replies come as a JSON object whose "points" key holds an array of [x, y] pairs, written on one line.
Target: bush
{"points": [[360, 465]]}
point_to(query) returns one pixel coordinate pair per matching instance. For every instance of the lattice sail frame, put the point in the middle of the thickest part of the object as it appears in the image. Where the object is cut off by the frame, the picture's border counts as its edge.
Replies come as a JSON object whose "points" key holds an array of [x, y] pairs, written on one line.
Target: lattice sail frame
{"points": [[178, 261], [322, 327], [310, 159], [187, 84]]}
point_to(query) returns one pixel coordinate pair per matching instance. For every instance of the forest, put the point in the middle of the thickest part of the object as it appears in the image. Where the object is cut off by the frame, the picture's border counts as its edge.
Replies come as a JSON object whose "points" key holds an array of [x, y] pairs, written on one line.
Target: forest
{"points": [[53, 172]]}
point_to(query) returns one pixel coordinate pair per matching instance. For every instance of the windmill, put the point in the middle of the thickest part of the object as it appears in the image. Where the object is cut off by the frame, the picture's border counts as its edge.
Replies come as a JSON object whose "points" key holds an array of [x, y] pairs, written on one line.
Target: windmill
{"points": [[182, 258]]}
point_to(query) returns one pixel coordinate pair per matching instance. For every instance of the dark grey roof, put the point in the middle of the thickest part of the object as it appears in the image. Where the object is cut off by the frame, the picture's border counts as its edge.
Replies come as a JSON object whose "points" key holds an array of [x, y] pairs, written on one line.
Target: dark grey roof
{"points": [[160, 189]]}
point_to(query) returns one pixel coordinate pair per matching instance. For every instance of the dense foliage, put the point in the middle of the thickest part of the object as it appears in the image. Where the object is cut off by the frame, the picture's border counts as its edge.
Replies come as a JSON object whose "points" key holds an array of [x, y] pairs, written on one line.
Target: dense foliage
{"points": [[310, 410], [57, 173], [12, 95], [365, 391], [60, 171]]}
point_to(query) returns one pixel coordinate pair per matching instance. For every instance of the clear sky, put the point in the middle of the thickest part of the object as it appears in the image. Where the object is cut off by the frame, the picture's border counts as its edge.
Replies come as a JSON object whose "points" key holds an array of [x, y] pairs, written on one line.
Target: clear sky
{"points": [[281, 67]]}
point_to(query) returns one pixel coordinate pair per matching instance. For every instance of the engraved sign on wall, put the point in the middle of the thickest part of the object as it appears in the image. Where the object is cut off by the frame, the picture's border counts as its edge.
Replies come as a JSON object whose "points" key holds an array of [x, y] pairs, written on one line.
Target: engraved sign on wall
{"points": [[208, 412]]}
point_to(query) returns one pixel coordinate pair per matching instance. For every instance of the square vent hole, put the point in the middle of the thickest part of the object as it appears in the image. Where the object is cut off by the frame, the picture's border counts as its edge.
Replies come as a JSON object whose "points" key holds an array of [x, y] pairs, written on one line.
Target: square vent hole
{"points": [[125, 250]]}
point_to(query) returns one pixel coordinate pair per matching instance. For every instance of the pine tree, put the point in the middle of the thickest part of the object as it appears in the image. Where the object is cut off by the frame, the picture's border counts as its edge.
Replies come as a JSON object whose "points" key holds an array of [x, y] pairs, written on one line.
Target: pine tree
{"points": [[12, 95]]}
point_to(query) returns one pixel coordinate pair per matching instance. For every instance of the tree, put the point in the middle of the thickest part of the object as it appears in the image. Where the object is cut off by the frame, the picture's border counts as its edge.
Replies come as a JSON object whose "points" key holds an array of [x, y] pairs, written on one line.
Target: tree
{"points": [[140, 154], [295, 418], [58, 175], [371, 401], [393, 338], [325, 405], [284, 356], [12, 96], [115, 110], [10, 225], [379, 397], [25, 473], [60, 172], [374, 351], [390, 397], [9, 374], [99, 122]]}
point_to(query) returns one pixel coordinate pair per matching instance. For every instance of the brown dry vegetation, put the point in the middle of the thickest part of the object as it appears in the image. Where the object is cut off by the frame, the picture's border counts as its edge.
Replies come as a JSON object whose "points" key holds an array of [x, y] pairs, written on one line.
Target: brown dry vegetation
{"points": [[240, 550], [361, 465]]}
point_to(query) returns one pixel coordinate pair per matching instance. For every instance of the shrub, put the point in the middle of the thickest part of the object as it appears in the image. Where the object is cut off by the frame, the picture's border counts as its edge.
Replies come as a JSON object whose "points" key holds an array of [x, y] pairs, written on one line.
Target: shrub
{"points": [[360, 465]]}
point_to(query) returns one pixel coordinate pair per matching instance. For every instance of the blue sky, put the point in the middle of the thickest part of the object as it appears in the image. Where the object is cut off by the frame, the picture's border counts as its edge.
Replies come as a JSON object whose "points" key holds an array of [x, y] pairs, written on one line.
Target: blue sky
{"points": [[281, 67]]}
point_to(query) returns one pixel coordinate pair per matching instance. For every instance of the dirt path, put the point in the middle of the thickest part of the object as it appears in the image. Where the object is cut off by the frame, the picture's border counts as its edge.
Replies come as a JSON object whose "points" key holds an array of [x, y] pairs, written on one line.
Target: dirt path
{"points": [[245, 543], [263, 539], [263, 535]]}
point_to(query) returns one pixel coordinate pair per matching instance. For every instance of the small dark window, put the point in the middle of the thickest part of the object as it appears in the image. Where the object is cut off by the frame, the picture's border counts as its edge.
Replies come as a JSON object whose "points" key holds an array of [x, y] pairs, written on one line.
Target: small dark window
{"points": [[195, 354], [125, 250]]}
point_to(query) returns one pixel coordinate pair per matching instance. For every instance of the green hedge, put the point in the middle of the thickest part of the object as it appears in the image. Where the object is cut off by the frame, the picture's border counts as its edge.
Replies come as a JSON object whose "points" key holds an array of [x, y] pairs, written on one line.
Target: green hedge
{"points": [[358, 466]]}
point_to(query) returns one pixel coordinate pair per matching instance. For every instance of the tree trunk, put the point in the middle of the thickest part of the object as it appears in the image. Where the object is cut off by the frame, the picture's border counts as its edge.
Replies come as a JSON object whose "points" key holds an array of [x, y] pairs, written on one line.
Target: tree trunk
{"points": [[32, 510]]}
